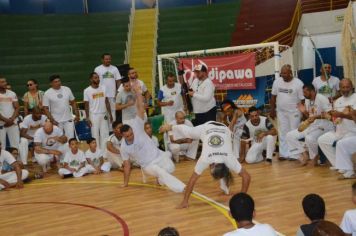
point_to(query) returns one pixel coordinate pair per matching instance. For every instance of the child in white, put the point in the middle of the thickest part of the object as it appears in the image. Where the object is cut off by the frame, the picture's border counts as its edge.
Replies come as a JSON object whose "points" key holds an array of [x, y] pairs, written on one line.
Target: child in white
{"points": [[113, 143], [74, 161], [348, 223], [149, 132], [96, 163]]}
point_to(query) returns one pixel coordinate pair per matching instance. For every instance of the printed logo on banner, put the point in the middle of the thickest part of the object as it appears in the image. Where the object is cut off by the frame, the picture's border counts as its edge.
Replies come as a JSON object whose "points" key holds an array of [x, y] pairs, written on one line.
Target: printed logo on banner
{"points": [[226, 72]]}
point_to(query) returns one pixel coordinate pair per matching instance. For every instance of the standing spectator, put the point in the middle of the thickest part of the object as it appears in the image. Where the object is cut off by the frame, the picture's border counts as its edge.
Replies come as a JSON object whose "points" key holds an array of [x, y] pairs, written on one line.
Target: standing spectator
{"points": [[9, 112], [348, 223], [125, 101], [56, 102], [110, 79], [326, 84], [202, 93], [345, 126], [97, 110], [287, 93], [29, 126], [242, 209], [170, 98], [33, 97]]}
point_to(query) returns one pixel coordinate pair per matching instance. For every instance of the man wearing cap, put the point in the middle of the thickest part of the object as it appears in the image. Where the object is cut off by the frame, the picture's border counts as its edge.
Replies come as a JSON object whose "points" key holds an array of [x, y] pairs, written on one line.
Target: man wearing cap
{"points": [[202, 93]]}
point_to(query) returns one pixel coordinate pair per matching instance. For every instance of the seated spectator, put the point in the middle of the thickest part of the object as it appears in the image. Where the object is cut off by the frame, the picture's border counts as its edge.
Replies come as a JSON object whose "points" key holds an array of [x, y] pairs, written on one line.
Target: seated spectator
{"points": [[263, 135], [49, 145], [242, 209], [15, 153], [94, 156], [33, 97], [327, 228], [149, 132], [15, 176], [168, 231], [182, 146], [113, 144], [348, 223], [29, 126], [314, 209], [74, 161]]}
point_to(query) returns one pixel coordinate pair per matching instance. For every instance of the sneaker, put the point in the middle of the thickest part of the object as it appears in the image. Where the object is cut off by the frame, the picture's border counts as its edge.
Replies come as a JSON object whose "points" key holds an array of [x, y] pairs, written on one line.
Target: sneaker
{"points": [[269, 160], [350, 174], [332, 168], [342, 171]]}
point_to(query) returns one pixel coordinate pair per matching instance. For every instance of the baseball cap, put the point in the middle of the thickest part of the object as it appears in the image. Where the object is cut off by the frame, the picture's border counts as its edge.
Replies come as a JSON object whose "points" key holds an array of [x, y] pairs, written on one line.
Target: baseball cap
{"points": [[200, 67]]}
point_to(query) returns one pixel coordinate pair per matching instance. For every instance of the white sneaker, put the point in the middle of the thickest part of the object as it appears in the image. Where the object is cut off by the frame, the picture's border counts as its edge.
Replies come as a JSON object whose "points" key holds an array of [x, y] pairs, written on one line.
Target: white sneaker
{"points": [[332, 168], [342, 171]]}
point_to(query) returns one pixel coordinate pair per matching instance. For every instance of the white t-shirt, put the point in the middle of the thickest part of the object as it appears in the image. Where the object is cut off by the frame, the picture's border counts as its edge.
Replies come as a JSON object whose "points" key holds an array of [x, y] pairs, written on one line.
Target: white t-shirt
{"points": [[345, 126], [133, 81], [94, 156], [96, 99], [58, 103], [6, 104], [155, 140], [115, 141], [217, 144], [203, 99], [176, 136], [256, 230], [74, 160], [31, 125], [328, 89], [289, 94], [142, 150], [5, 156], [320, 104], [108, 76], [348, 223], [239, 125], [124, 97], [171, 94], [47, 140]]}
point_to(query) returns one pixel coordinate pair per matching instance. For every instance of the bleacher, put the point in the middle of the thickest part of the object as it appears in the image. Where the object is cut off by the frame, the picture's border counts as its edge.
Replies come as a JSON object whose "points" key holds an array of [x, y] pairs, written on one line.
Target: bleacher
{"points": [[69, 45], [199, 27]]}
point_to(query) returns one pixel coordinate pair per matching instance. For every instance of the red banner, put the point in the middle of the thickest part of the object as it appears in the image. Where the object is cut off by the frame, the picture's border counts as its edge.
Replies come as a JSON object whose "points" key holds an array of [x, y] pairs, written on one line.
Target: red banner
{"points": [[226, 72]]}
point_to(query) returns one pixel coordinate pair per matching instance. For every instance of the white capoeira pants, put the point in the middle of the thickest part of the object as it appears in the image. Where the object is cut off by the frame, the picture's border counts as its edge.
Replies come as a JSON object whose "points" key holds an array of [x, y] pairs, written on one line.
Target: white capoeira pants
{"points": [[45, 159], [114, 159], [326, 142], [236, 143], [344, 150], [287, 121], [76, 174], [311, 135], [13, 133], [11, 177], [105, 167], [254, 154], [100, 129], [162, 167], [112, 102], [23, 149], [68, 128], [189, 149]]}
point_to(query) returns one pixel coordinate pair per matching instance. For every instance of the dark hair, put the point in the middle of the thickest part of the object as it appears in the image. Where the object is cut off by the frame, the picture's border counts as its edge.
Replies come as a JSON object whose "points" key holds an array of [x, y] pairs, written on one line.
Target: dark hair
{"points": [[124, 80], [115, 124], [310, 87], [227, 101], [221, 171], [168, 231], [72, 140], [53, 77], [11, 149], [204, 68], [327, 228], [252, 109], [92, 74], [148, 123], [90, 140], [124, 128], [36, 110], [170, 74], [33, 80], [105, 54], [314, 207], [242, 207]]}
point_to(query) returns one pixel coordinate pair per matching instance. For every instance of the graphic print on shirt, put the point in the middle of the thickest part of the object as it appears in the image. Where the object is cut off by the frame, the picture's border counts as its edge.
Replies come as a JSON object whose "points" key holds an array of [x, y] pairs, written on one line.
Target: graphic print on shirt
{"points": [[325, 90], [283, 90], [74, 163], [50, 141], [98, 95], [216, 141], [108, 75]]}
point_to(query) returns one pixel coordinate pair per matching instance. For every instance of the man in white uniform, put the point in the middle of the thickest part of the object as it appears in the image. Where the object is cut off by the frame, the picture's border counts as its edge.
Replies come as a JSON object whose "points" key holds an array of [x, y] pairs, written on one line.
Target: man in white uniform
{"points": [[9, 111], [348, 223], [326, 84], [49, 144], [170, 98], [56, 102], [139, 146], [180, 145], [113, 143], [29, 126], [287, 93], [342, 118], [97, 110], [346, 153], [125, 101], [242, 209], [202, 92], [12, 178], [109, 79], [216, 153], [314, 110], [262, 134]]}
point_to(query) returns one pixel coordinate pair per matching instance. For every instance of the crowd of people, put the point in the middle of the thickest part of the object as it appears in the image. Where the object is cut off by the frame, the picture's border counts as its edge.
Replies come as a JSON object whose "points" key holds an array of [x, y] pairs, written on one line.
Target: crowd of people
{"points": [[321, 115]]}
